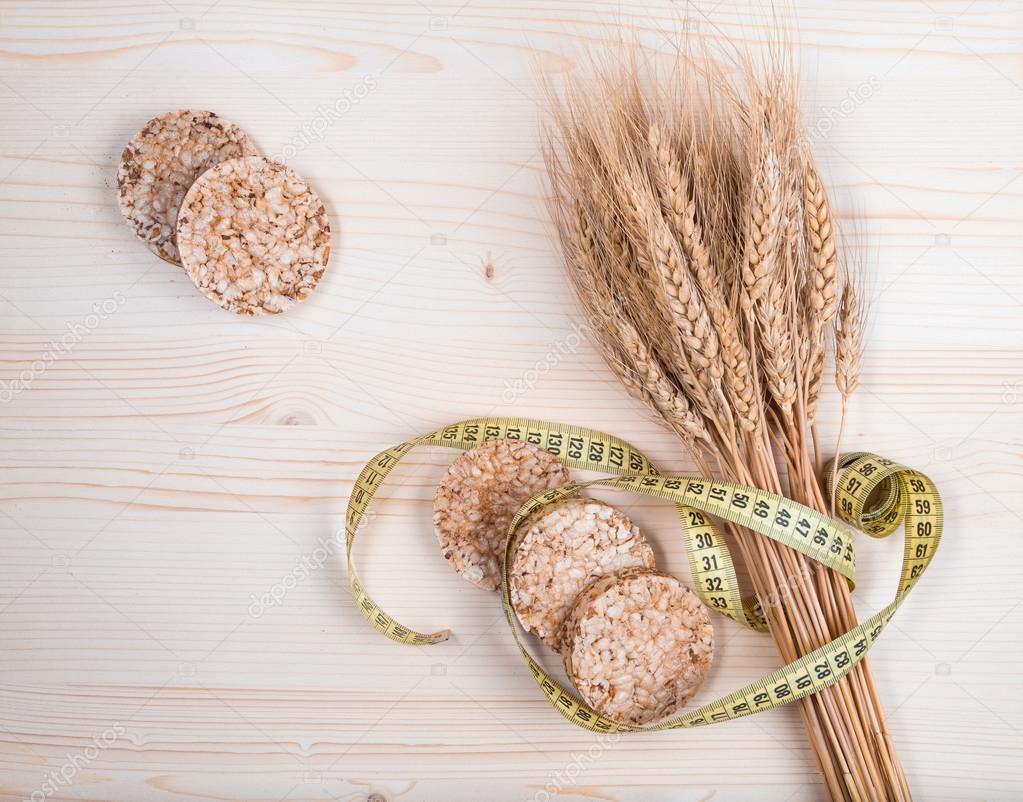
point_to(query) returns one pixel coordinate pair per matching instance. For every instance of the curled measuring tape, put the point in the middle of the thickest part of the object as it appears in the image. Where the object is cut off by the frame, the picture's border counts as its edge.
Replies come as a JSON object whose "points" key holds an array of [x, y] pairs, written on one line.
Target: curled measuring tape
{"points": [[873, 494]]}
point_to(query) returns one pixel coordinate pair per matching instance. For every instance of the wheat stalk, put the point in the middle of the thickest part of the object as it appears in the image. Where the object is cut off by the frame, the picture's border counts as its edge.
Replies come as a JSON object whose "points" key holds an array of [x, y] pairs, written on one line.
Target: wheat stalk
{"points": [[587, 253], [705, 260]]}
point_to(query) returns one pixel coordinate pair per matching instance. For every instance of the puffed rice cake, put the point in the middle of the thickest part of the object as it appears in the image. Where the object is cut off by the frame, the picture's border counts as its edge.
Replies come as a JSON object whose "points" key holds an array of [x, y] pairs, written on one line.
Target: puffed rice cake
{"points": [[637, 645], [479, 496], [253, 236], [562, 548], [162, 161]]}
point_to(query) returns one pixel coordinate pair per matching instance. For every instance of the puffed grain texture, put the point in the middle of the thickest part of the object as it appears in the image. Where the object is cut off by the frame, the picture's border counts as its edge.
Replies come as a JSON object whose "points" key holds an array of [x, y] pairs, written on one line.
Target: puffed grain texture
{"points": [[478, 498], [561, 549], [160, 164], [637, 645], [253, 236]]}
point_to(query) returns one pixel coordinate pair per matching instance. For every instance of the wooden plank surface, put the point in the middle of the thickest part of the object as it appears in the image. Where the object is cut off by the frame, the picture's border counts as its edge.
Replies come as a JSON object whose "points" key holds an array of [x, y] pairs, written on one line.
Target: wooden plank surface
{"points": [[174, 620]]}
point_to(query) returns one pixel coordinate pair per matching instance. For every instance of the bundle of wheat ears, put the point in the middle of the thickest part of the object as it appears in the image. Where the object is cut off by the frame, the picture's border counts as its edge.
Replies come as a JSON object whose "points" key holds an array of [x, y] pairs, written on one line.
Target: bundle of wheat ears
{"points": [[701, 245]]}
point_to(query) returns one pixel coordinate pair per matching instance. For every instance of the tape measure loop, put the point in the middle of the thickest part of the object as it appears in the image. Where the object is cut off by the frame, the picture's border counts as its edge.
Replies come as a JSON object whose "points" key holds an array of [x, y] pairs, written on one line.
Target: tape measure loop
{"points": [[873, 494]]}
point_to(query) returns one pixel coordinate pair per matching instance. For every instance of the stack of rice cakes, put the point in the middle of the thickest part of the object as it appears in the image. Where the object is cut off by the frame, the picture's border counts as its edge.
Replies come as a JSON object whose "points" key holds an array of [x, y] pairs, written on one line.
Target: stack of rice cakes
{"points": [[635, 642], [252, 235]]}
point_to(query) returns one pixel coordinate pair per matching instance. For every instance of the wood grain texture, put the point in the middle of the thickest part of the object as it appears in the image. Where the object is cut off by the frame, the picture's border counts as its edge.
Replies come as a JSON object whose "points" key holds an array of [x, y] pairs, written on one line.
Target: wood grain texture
{"points": [[174, 619]]}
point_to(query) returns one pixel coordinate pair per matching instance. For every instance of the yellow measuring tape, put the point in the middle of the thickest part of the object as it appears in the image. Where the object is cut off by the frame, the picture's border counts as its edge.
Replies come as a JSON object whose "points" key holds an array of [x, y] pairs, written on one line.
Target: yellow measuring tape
{"points": [[873, 494]]}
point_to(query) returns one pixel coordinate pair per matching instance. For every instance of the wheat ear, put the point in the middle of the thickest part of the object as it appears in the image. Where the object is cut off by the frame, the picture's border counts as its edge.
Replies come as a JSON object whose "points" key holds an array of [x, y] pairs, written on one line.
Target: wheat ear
{"points": [[678, 207], [848, 362], [621, 345], [762, 226], [849, 340], [765, 282], [821, 242], [644, 377], [680, 301]]}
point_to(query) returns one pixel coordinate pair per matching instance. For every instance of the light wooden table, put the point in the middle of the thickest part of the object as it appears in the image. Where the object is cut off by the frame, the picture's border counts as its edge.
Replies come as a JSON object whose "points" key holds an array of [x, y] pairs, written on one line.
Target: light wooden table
{"points": [[166, 466]]}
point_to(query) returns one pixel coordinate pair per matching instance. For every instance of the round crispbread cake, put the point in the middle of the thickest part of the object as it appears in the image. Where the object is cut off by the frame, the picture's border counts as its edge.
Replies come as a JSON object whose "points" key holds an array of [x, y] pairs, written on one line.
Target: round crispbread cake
{"points": [[563, 547], [479, 496], [253, 236], [637, 645], [160, 164]]}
